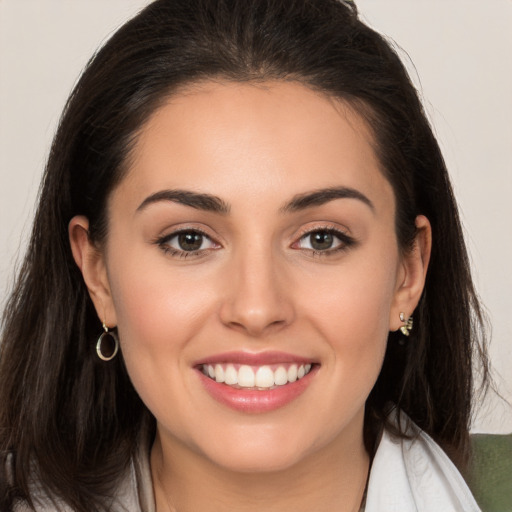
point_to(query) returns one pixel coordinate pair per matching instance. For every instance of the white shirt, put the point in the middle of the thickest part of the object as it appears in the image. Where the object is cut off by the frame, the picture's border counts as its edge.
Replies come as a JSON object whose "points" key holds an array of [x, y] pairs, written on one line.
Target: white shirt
{"points": [[416, 476]]}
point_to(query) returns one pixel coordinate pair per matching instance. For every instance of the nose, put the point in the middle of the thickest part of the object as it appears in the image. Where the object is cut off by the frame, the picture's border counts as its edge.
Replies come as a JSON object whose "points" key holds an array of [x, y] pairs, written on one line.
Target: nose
{"points": [[257, 298]]}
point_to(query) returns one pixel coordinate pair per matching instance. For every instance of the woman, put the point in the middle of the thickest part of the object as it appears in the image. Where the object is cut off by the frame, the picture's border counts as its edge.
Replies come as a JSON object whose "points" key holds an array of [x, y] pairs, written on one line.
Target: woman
{"points": [[243, 211]]}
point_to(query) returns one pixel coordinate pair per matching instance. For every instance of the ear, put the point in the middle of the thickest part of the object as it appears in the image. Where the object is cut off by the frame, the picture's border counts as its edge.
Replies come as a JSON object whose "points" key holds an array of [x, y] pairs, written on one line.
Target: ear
{"points": [[91, 261], [412, 274]]}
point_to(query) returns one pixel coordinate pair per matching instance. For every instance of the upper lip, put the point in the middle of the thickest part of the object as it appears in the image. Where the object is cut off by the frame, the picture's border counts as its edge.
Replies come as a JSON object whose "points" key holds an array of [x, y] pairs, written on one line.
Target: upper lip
{"points": [[254, 359]]}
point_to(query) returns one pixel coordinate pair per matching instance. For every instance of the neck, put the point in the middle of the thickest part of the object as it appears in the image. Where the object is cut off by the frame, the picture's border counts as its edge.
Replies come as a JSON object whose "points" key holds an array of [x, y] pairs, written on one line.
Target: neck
{"points": [[334, 477]]}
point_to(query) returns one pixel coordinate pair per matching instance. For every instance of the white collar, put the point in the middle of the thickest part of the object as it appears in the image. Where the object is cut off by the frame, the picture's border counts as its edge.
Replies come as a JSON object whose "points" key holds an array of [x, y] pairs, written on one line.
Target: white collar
{"points": [[415, 475]]}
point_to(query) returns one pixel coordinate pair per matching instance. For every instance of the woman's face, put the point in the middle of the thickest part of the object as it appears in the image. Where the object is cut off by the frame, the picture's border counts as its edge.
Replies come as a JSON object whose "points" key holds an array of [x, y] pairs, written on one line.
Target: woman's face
{"points": [[253, 240]]}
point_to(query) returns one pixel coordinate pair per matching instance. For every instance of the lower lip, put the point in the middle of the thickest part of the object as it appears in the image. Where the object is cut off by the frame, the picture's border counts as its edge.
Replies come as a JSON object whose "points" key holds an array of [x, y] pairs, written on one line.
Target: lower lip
{"points": [[253, 400]]}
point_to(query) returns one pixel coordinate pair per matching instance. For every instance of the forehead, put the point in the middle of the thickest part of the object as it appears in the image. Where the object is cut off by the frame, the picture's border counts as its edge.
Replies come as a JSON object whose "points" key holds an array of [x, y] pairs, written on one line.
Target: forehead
{"points": [[265, 138]]}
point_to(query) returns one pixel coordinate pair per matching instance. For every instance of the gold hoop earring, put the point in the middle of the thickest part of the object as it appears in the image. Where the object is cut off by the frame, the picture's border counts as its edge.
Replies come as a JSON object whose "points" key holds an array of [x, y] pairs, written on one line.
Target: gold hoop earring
{"points": [[407, 327], [113, 348]]}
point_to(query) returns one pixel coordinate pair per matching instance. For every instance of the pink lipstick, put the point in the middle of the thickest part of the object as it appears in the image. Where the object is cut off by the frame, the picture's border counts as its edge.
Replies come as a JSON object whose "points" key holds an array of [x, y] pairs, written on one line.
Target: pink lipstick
{"points": [[256, 383]]}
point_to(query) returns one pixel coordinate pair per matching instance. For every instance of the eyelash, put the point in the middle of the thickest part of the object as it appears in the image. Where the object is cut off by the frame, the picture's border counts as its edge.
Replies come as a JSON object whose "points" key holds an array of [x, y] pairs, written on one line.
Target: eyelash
{"points": [[345, 242], [163, 243]]}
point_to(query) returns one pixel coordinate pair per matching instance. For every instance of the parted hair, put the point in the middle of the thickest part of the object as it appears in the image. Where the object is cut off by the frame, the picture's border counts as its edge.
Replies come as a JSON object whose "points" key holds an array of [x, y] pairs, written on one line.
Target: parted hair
{"points": [[69, 421]]}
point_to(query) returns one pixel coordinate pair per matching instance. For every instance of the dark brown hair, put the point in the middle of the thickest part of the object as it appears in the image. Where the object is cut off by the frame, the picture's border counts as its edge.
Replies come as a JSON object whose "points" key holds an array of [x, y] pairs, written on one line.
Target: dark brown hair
{"points": [[71, 420]]}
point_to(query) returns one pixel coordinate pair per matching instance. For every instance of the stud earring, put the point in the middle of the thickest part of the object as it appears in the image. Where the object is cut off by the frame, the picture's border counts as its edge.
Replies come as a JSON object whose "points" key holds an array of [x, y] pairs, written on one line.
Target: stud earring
{"points": [[407, 327], [108, 352]]}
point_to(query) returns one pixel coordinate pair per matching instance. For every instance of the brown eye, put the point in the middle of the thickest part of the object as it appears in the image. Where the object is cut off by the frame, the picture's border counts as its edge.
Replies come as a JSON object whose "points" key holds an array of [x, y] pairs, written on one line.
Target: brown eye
{"points": [[190, 241], [321, 240], [187, 242], [326, 241]]}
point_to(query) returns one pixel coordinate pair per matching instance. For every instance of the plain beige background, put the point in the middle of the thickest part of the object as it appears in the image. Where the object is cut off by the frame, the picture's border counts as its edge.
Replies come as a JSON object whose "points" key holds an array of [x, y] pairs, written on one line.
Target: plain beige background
{"points": [[461, 53]]}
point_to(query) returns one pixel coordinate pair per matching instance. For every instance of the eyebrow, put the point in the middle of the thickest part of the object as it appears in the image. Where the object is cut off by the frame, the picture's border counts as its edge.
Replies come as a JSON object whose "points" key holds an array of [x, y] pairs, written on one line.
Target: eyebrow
{"points": [[211, 203], [206, 202], [324, 195]]}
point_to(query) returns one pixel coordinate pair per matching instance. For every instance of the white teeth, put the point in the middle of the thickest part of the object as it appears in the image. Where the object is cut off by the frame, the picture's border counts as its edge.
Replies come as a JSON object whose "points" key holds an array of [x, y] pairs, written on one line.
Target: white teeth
{"points": [[245, 377], [292, 373], [280, 376], [219, 373], [230, 375], [262, 377]]}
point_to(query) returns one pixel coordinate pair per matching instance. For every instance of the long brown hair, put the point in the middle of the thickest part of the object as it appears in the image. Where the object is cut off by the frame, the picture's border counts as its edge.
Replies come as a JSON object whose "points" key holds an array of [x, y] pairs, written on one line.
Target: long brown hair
{"points": [[70, 420]]}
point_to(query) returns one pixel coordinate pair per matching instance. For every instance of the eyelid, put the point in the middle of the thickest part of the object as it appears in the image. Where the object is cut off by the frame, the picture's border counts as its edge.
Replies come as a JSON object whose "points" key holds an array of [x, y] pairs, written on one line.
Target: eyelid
{"points": [[163, 242], [311, 227], [328, 226], [345, 239]]}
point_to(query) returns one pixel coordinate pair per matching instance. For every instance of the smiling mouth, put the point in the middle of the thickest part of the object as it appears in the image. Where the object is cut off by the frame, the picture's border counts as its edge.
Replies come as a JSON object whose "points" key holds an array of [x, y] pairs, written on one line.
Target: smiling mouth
{"points": [[262, 378]]}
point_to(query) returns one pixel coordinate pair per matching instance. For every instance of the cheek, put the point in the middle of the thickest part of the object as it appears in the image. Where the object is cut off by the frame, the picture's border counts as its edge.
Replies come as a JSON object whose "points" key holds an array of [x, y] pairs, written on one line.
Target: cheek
{"points": [[157, 314], [154, 305], [354, 304], [351, 308]]}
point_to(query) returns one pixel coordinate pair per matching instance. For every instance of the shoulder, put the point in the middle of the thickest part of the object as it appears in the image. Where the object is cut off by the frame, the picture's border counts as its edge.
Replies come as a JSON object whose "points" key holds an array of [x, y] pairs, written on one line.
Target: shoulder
{"points": [[415, 474], [133, 493], [133, 489]]}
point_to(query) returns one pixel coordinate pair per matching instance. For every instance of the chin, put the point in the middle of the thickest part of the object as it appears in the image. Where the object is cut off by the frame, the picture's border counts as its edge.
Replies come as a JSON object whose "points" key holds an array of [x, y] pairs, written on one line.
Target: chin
{"points": [[260, 461], [264, 450]]}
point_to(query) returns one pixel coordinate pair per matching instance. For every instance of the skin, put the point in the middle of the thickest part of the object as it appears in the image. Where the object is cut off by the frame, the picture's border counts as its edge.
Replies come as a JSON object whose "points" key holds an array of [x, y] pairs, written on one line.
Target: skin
{"points": [[257, 286]]}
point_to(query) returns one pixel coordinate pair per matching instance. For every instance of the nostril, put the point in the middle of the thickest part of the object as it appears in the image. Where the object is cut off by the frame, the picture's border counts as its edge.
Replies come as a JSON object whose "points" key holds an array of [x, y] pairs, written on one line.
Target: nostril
{"points": [[253, 301], [257, 326], [255, 320]]}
